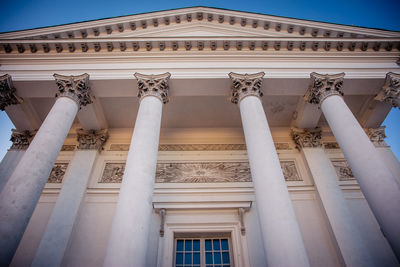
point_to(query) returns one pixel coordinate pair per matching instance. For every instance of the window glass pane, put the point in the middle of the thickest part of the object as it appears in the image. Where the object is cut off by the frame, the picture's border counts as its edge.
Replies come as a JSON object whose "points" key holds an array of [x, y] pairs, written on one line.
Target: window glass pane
{"points": [[188, 258], [179, 258], [216, 244], [217, 257], [208, 245], [196, 258], [209, 258], [188, 245], [196, 245], [179, 245], [225, 257], [224, 244]]}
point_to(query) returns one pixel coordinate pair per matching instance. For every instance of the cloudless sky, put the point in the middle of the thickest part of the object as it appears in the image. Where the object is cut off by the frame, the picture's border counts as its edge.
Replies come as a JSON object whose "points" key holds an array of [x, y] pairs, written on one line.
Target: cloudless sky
{"points": [[27, 14]]}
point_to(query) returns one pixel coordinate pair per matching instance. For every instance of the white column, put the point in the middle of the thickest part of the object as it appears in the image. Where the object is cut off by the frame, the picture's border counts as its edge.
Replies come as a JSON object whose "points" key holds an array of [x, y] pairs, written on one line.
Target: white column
{"points": [[21, 193], [283, 243], [129, 234], [58, 231], [350, 245], [377, 137], [377, 183], [20, 142]]}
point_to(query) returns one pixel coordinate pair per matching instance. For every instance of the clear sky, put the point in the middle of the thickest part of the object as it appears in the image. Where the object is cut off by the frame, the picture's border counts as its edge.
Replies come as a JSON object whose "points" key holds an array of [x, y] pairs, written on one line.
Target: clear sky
{"points": [[27, 14]]}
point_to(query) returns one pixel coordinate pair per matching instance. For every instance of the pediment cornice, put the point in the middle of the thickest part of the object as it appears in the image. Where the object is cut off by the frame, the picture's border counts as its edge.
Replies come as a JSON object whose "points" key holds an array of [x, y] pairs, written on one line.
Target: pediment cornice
{"points": [[199, 28]]}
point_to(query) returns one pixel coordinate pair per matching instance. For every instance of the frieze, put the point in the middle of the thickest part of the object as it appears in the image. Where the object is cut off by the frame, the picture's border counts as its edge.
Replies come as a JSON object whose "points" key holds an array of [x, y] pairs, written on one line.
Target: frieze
{"points": [[198, 147], [343, 170], [199, 172], [57, 173]]}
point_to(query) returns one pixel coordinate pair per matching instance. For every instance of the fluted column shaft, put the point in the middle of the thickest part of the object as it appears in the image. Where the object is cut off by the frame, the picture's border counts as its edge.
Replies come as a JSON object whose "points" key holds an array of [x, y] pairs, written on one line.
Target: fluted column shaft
{"points": [[283, 243], [377, 183], [349, 242], [127, 245], [21, 193], [60, 226]]}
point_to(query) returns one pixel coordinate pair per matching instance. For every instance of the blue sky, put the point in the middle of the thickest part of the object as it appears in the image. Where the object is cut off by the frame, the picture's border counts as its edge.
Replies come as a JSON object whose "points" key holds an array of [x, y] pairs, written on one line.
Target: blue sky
{"points": [[27, 14]]}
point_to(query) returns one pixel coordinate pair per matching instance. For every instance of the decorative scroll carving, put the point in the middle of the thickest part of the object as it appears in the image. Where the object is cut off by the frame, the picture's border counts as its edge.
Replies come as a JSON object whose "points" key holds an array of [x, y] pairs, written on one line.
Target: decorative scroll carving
{"points": [[203, 172], [377, 136], [331, 145], [306, 138], [68, 147], [57, 173], [199, 172], [21, 140], [290, 171], [8, 93], [390, 92], [245, 84], [155, 85], [113, 173], [343, 170], [74, 87], [197, 147], [322, 86], [91, 139]]}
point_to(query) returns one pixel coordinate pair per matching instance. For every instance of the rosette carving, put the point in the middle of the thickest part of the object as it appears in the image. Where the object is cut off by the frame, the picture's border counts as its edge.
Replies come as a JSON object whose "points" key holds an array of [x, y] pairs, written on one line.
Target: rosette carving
{"points": [[74, 87], [306, 138], [245, 84], [8, 93], [153, 85], [91, 139], [322, 86], [390, 92], [21, 140]]}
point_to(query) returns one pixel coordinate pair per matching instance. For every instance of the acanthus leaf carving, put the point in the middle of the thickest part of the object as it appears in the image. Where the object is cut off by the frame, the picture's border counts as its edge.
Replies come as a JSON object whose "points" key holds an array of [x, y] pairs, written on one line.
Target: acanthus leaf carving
{"points": [[57, 173], [91, 139], [245, 84], [377, 136], [322, 86], [21, 140], [306, 138], [390, 92], [74, 87], [154, 85], [8, 93]]}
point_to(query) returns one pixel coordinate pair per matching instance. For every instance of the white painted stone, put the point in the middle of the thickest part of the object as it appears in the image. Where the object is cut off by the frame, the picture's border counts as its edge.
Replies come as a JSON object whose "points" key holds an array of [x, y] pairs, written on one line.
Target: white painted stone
{"points": [[8, 164], [282, 239], [377, 183], [21, 193], [391, 160], [58, 232], [130, 229], [348, 239]]}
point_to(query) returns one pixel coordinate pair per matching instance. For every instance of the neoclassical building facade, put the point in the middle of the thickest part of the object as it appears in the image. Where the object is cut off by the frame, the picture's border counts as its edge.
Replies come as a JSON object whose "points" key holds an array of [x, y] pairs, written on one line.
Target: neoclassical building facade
{"points": [[199, 137]]}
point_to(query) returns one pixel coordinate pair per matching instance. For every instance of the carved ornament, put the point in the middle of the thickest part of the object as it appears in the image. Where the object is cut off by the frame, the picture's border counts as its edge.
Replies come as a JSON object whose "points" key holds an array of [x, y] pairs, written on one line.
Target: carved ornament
{"points": [[197, 147], [390, 92], [8, 93], [57, 173], [343, 170], [74, 87], [377, 136], [306, 138], [245, 84], [153, 85], [91, 139], [21, 140], [322, 86]]}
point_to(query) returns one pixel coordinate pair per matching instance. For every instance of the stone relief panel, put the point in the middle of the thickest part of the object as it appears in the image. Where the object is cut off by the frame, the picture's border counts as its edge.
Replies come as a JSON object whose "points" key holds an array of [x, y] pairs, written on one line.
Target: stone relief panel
{"points": [[331, 145], [113, 173], [290, 171], [68, 147], [57, 173], [199, 172], [343, 170]]}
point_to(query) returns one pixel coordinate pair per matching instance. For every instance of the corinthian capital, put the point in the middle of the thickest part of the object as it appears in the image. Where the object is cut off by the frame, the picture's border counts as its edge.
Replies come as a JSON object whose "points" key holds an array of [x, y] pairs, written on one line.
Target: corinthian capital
{"points": [[245, 84], [91, 139], [153, 85], [306, 138], [8, 94], [377, 135], [21, 140], [75, 87], [390, 92], [322, 86]]}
